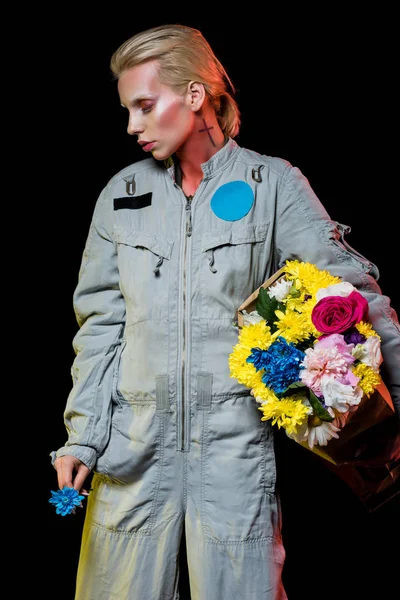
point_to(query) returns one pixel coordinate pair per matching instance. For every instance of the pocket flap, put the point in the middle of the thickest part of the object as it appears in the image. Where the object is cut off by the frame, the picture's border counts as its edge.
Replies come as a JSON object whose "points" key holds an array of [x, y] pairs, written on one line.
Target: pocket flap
{"points": [[255, 232], [140, 239]]}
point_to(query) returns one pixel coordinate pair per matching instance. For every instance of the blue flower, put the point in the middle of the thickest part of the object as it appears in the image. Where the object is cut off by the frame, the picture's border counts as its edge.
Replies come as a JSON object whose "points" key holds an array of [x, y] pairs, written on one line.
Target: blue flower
{"points": [[258, 357], [66, 500], [281, 364]]}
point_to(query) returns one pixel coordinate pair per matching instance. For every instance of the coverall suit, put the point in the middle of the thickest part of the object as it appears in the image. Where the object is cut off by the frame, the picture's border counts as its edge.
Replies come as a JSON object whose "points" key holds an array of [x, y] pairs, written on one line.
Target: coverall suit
{"points": [[171, 437]]}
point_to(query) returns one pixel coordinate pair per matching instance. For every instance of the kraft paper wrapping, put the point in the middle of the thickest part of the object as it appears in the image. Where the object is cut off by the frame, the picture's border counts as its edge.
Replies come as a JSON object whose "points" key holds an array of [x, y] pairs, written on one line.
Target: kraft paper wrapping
{"points": [[354, 439], [360, 431]]}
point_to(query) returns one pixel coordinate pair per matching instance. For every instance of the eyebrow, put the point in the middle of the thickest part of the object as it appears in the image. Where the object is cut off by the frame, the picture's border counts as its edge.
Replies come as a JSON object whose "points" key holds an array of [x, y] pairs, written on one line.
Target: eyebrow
{"points": [[137, 99]]}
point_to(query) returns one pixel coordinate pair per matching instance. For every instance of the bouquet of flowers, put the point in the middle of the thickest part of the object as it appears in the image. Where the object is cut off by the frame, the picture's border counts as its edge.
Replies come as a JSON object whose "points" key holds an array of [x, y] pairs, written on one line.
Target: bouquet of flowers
{"points": [[310, 357]]}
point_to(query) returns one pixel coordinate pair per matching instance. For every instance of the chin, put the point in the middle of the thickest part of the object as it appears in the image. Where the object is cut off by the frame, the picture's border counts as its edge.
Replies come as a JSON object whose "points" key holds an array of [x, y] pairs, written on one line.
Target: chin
{"points": [[158, 155]]}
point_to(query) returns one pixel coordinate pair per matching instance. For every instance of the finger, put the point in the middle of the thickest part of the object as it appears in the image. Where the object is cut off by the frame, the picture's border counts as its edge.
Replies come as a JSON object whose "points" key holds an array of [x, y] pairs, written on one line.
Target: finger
{"points": [[64, 473], [80, 477]]}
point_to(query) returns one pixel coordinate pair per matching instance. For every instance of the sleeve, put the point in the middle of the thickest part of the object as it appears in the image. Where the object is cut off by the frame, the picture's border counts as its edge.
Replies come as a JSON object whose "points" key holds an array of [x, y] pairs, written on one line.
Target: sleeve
{"points": [[100, 312], [306, 232]]}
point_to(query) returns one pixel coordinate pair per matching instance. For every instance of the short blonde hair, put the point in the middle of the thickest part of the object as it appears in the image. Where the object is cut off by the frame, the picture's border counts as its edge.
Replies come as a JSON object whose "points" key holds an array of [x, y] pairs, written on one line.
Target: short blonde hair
{"points": [[183, 55]]}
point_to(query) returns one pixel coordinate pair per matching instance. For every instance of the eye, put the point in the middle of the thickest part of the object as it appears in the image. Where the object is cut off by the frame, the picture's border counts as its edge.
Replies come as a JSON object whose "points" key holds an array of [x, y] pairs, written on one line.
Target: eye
{"points": [[146, 107]]}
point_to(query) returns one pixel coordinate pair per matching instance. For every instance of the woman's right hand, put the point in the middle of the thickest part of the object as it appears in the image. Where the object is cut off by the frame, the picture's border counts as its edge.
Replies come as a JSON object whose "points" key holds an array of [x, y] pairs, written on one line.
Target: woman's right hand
{"points": [[71, 472]]}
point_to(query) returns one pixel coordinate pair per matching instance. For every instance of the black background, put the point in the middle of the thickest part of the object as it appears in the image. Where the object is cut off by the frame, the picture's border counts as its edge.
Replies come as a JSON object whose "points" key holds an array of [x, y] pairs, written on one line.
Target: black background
{"points": [[314, 89]]}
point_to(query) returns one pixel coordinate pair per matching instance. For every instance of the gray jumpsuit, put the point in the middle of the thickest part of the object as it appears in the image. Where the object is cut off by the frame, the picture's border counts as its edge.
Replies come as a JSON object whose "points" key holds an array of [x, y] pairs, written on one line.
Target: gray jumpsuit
{"points": [[172, 439]]}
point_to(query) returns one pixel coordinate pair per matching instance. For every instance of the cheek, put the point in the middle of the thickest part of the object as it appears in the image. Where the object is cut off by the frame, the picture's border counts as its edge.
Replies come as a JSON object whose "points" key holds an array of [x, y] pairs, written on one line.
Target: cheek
{"points": [[173, 117]]}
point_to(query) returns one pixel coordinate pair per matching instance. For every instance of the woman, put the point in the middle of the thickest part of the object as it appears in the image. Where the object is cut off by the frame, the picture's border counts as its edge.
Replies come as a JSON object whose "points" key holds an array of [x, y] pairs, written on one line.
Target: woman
{"points": [[177, 242]]}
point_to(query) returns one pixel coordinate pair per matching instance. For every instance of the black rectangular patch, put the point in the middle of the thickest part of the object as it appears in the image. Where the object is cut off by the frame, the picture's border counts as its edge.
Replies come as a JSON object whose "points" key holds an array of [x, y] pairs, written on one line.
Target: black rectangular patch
{"points": [[133, 202]]}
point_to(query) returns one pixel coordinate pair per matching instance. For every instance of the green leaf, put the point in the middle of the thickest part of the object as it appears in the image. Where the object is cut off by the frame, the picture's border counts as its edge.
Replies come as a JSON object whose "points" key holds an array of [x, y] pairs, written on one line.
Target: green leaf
{"points": [[266, 307], [293, 388], [318, 410], [296, 386]]}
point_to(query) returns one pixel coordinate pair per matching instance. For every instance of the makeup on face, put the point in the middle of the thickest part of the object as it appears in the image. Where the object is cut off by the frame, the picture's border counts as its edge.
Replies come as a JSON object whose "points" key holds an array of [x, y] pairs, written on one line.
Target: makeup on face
{"points": [[157, 115]]}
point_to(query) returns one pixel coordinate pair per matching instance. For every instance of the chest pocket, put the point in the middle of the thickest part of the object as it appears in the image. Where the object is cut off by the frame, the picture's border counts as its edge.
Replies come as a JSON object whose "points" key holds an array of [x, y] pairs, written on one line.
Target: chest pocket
{"points": [[238, 245], [142, 243], [233, 265], [144, 272]]}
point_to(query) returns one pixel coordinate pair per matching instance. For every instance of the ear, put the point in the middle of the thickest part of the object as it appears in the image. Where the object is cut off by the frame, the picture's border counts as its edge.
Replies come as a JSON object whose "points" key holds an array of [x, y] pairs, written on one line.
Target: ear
{"points": [[195, 95]]}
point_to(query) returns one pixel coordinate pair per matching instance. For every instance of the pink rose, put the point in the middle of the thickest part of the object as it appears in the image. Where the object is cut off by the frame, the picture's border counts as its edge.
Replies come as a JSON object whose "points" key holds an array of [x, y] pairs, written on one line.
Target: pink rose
{"points": [[336, 314]]}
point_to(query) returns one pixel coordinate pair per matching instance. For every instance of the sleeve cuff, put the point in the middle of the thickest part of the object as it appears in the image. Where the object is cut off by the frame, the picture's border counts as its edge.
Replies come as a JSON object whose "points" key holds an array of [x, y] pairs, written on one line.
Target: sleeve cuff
{"points": [[87, 455]]}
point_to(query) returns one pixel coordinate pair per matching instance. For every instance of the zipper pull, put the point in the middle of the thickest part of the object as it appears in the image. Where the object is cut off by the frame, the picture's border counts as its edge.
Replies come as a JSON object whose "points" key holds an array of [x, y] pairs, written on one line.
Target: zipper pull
{"points": [[188, 216]]}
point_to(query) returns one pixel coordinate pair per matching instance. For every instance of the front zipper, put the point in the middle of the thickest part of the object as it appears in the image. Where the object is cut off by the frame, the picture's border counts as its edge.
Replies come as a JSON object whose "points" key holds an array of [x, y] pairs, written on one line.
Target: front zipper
{"points": [[185, 320]]}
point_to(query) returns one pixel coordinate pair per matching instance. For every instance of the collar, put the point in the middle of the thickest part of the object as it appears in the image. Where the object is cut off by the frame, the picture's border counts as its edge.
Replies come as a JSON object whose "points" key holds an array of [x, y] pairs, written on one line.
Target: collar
{"points": [[218, 161]]}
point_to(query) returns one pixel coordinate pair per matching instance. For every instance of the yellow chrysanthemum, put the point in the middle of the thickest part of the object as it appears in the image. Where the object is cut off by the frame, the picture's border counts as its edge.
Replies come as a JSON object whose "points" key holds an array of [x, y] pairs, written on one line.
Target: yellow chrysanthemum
{"points": [[369, 379], [241, 370], [261, 391], [295, 303], [366, 329], [288, 413], [308, 277], [293, 326], [257, 335]]}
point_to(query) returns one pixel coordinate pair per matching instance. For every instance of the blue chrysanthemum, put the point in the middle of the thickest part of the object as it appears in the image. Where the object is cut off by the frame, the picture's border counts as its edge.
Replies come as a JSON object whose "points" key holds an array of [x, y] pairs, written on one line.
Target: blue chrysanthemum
{"points": [[281, 364], [259, 358], [66, 500]]}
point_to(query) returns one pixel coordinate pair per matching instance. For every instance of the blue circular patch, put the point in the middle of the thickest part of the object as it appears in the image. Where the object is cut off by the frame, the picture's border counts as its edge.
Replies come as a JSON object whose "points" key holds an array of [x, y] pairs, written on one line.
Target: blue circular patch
{"points": [[232, 201]]}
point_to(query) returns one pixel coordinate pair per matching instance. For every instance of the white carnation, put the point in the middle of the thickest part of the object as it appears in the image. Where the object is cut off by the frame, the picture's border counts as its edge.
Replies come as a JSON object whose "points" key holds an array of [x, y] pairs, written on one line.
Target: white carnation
{"points": [[280, 289], [369, 353], [338, 395], [251, 318], [343, 289]]}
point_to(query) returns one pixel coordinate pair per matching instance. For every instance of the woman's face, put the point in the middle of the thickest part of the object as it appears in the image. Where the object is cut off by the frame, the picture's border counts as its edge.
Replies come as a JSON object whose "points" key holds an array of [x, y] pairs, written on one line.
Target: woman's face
{"points": [[157, 115]]}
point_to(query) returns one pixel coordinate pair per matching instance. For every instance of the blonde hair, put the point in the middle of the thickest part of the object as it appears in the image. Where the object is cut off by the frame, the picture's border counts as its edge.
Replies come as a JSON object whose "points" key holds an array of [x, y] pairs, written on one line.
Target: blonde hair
{"points": [[183, 55]]}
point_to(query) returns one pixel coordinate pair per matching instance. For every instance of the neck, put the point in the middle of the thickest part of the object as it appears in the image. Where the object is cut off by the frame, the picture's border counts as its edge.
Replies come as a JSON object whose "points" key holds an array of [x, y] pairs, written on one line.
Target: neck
{"points": [[206, 139]]}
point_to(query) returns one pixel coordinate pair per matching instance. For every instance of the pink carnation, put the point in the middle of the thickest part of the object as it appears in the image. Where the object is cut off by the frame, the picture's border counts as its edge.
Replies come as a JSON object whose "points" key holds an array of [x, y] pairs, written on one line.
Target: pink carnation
{"points": [[331, 357]]}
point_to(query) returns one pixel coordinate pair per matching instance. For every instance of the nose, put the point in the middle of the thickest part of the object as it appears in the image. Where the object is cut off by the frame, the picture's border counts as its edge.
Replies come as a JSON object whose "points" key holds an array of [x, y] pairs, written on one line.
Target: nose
{"points": [[135, 126]]}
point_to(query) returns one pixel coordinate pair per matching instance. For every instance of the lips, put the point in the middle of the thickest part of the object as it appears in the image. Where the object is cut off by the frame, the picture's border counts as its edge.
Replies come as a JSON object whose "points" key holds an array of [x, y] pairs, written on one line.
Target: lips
{"points": [[147, 146]]}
